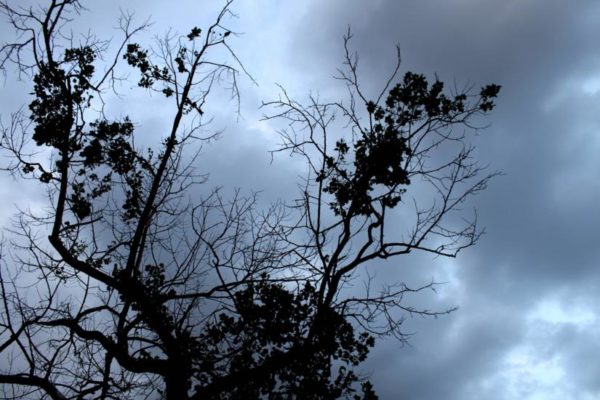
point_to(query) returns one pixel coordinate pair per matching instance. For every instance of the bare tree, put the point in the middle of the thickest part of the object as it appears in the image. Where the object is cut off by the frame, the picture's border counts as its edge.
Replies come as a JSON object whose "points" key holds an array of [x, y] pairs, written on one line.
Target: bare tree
{"points": [[123, 288], [411, 134]]}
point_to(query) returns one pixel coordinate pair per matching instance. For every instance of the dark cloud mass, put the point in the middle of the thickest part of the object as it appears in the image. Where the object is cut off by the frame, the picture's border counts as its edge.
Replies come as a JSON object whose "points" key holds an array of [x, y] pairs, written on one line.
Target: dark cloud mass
{"points": [[522, 292], [528, 294]]}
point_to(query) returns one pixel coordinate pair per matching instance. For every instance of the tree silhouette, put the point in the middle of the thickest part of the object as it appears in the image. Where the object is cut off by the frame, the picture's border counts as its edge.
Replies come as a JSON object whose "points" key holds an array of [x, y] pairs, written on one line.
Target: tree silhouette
{"points": [[121, 288]]}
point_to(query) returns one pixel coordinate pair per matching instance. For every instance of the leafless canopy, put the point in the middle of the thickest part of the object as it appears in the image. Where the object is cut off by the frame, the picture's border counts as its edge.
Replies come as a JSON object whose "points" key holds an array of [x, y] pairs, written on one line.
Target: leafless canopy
{"points": [[123, 288]]}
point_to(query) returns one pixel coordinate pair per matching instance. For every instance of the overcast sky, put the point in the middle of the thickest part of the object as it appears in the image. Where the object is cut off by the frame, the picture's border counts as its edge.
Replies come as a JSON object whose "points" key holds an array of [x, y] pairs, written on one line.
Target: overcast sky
{"points": [[528, 294]]}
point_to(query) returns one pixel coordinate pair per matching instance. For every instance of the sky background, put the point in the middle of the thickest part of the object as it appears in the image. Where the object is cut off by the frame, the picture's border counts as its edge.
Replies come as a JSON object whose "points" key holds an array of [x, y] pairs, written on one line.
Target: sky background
{"points": [[528, 323]]}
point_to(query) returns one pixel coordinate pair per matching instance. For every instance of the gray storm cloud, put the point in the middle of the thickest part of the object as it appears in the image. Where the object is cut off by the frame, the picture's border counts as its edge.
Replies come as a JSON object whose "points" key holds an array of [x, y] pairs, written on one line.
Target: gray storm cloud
{"points": [[527, 325]]}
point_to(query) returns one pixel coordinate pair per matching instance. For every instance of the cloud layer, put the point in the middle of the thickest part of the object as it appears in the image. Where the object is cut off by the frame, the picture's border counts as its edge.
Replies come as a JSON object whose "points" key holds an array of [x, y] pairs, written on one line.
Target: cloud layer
{"points": [[528, 294]]}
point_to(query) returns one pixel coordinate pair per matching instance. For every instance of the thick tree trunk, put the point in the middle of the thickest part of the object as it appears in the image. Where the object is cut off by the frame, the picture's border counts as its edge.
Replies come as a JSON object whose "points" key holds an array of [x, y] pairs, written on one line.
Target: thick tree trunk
{"points": [[176, 386]]}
